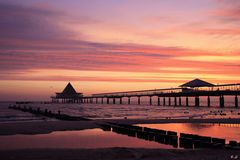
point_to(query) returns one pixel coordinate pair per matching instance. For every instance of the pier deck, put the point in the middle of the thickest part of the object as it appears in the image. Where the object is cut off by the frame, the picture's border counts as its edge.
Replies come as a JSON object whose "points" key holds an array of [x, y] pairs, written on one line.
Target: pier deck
{"points": [[176, 93]]}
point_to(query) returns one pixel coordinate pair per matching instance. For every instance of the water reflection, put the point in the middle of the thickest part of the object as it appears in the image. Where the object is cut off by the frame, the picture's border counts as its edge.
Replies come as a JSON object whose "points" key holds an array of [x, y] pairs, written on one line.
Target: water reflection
{"points": [[203, 135], [166, 136], [91, 138], [225, 131]]}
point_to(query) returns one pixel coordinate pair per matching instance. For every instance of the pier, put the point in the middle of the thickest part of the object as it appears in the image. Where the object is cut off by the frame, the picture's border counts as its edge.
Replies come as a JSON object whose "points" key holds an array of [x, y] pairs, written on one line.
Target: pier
{"points": [[172, 96]]}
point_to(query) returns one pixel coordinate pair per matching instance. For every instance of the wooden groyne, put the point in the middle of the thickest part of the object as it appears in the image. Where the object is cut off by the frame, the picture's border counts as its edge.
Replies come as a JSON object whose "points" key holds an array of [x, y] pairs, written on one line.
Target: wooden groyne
{"points": [[48, 113], [183, 140]]}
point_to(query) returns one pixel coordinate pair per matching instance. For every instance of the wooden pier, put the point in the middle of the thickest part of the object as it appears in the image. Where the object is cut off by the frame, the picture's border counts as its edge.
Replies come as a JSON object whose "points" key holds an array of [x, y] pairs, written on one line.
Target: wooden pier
{"points": [[170, 96]]}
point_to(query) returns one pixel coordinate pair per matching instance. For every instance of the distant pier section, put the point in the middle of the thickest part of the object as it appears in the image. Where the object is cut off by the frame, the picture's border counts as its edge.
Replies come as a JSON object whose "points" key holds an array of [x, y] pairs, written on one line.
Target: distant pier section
{"points": [[165, 97]]}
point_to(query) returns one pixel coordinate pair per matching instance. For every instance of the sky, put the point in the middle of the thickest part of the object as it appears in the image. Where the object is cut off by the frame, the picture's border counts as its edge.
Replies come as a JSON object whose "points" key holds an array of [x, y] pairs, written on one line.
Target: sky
{"points": [[115, 45]]}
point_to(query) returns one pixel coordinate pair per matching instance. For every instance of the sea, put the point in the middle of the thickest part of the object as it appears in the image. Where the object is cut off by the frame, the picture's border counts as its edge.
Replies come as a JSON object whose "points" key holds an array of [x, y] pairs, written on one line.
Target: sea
{"points": [[125, 111], [98, 138]]}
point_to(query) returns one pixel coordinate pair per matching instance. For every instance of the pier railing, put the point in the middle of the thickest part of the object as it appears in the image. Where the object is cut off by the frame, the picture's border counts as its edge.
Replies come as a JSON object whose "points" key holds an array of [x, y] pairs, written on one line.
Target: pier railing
{"points": [[225, 87]]}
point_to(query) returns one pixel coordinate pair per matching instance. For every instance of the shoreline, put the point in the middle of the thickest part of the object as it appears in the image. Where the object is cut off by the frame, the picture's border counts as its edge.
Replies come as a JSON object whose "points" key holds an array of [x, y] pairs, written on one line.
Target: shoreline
{"points": [[44, 127]]}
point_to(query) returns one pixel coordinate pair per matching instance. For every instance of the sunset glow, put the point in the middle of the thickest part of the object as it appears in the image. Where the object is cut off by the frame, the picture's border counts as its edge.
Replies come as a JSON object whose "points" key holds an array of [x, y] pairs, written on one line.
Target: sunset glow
{"points": [[109, 45]]}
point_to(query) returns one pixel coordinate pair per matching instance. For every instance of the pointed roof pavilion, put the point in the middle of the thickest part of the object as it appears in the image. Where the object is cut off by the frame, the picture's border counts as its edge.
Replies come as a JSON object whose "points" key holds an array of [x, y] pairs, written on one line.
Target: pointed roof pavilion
{"points": [[68, 92], [197, 83]]}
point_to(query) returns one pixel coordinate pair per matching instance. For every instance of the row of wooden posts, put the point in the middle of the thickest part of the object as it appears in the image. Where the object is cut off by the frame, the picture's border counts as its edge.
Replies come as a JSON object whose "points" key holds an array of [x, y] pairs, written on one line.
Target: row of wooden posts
{"points": [[190, 141], [164, 99]]}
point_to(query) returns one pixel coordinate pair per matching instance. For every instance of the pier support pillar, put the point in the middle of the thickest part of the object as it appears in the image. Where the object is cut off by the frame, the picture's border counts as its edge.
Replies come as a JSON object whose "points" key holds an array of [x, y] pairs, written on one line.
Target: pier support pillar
{"points": [[102, 100], [107, 100], [129, 100], [187, 102], [158, 101], [150, 100], [175, 101], [236, 101], [197, 101], [221, 101], [208, 101], [180, 101], [120, 100], [114, 101], [139, 100], [169, 101], [96, 100], [164, 101], [91, 100]]}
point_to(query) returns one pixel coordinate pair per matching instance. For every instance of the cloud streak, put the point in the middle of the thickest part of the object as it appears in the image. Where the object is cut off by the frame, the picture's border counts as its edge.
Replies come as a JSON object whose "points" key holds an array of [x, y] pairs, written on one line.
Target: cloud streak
{"points": [[37, 46]]}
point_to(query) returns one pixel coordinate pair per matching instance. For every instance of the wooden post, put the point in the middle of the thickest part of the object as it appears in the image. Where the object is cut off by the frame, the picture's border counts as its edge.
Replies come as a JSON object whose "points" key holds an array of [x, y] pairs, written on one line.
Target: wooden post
{"points": [[221, 101], [209, 101], [158, 101], [187, 101], [175, 101], [180, 101], [169, 101], [139, 100], [150, 100], [120, 100], [114, 101], [164, 101], [129, 100], [236, 101], [197, 101], [102, 100], [107, 100]]}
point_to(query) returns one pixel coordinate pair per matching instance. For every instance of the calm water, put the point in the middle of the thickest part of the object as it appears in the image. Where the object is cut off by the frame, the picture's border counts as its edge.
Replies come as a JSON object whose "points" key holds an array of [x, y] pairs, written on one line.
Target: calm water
{"points": [[97, 138], [91, 138], [144, 111], [225, 131]]}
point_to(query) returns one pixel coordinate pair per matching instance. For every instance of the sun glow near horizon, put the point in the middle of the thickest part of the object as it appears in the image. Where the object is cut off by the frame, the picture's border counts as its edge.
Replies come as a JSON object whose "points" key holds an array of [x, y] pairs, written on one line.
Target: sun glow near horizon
{"points": [[104, 46]]}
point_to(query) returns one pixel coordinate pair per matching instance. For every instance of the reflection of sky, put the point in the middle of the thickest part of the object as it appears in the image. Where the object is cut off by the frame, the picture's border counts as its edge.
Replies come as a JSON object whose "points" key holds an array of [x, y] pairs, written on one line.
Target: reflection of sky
{"points": [[130, 44], [228, 132], [91, 138]]}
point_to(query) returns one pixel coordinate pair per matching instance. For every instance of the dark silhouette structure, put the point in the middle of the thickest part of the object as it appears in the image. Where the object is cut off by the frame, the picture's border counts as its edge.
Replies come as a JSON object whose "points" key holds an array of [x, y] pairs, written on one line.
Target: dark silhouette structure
{"points": [[197, 83], [173, 96], [68, 95]]}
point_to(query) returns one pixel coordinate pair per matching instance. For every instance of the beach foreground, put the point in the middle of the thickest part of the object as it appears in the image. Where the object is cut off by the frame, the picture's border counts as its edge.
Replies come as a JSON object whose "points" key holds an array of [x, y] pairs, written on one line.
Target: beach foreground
{"points": [[44, 127], [119, 153]]}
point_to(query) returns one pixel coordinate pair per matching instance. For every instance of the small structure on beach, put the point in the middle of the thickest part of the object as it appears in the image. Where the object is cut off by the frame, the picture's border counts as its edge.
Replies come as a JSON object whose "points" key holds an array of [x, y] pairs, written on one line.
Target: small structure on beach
{"points": [[68, 95]]}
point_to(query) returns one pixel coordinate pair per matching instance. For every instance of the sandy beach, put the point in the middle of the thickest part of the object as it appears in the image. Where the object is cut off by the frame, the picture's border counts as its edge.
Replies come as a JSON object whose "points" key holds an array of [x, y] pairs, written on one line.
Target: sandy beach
{"points": [[118, 154]]}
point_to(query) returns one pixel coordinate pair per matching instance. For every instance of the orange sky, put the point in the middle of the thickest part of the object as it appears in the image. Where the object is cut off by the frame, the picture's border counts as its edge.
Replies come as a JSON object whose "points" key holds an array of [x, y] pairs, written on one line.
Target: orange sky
{"points": [[115, 45]]}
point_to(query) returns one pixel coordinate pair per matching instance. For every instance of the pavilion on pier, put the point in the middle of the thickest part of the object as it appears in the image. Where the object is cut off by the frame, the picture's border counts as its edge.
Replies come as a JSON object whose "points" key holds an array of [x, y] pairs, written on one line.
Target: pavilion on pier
{"points": [[68, 95]]}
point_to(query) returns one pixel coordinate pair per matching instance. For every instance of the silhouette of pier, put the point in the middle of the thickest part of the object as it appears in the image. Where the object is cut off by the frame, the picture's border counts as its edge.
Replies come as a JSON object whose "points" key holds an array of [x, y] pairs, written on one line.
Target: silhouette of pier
{"points": [[172, 96]]}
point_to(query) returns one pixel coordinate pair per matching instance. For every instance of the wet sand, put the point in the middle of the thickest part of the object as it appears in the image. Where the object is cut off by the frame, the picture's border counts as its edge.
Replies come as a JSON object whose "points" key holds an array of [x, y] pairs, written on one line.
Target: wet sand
{"points": [[44, 127], [118, 154]]}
